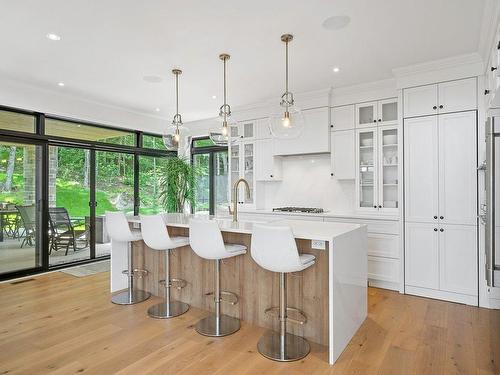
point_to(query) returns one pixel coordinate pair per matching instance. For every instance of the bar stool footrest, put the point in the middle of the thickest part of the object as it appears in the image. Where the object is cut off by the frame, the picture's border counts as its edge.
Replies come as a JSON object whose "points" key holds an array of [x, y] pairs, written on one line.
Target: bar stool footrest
{"points": [[175, 283], [226, 297], [294, 315], [137, 272]]}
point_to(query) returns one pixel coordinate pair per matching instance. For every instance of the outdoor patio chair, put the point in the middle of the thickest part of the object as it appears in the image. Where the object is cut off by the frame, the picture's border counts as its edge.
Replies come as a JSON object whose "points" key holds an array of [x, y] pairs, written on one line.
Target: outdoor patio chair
{"points": [[63, 234], [28, 218]]}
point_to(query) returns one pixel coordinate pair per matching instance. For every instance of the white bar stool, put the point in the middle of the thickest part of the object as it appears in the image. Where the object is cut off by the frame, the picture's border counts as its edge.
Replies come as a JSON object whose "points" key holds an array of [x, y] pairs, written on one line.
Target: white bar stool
{"points": [[155, 235], [206, 241], [119, 231], [274, 249]]}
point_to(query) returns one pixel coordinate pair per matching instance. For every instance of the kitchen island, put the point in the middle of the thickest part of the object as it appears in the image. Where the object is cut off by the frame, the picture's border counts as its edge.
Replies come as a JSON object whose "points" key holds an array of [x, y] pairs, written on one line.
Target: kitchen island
{"points": [[332, 293]]}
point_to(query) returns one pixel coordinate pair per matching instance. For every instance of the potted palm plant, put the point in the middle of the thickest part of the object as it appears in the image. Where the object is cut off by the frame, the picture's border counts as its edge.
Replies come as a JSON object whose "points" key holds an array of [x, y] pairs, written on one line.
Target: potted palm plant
{"points": [[177, 184]]}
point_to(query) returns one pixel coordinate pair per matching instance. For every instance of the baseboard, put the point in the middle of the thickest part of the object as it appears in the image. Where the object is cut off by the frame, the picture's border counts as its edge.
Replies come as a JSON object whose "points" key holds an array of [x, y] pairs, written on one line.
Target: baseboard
{"points": [[442, 295], [384, 284]]}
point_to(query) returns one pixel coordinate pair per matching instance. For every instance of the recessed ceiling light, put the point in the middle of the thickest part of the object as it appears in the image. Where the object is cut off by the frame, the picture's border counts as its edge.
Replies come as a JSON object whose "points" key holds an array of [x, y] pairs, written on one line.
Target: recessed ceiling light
{"points": [[53, 36], [214, 97], [60, 84], [157, 109], [336, 22], [336, 69], [152, 79]]}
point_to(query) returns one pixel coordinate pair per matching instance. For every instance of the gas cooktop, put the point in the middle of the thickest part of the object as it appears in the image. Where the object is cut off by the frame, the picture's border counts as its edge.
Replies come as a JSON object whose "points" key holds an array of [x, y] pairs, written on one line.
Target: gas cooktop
{"points": [[310, 210]]}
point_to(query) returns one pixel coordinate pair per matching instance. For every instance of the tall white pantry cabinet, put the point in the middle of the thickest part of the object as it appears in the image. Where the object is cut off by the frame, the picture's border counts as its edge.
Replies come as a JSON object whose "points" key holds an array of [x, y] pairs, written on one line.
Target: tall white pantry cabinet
{"points": [[440, 191]]}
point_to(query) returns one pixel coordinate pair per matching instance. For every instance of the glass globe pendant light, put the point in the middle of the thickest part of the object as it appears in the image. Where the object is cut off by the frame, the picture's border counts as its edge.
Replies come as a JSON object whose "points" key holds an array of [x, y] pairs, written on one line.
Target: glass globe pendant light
{"points": [[177, 137], [221, 135], [287, 122]]}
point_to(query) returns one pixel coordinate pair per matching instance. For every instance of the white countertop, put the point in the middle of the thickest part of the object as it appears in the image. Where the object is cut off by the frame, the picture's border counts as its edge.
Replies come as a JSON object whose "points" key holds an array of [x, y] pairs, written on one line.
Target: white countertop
{"points": [[326, 214], [302, 229]]}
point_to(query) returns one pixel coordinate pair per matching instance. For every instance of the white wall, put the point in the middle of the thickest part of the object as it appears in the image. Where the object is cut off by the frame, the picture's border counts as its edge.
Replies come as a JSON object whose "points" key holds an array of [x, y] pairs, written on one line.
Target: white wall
{"points": [[307, 183]]}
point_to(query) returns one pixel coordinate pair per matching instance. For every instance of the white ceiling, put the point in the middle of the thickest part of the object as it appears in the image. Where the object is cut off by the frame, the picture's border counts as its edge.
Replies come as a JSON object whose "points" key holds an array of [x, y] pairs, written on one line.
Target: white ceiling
{"points": [[108, 46]]}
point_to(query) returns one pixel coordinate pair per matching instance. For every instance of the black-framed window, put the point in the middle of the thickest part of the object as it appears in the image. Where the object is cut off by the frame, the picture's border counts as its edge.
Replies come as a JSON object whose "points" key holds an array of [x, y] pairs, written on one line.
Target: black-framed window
{"points": [[213, 191], [69, 155]]}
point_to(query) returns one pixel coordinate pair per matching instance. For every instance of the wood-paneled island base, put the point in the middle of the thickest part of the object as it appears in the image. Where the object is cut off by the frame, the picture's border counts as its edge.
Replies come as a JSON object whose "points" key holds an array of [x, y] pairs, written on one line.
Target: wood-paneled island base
{"points": [[331, 293]]}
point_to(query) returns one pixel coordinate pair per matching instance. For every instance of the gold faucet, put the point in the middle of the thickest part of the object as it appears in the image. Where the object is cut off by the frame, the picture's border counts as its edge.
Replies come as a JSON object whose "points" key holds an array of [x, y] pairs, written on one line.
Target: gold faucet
{"points": [[235, 196]]}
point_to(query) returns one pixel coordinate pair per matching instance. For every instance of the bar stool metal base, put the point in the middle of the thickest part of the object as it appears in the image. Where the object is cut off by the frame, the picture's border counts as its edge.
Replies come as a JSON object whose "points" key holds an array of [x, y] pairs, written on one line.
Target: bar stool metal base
{"points": [[167, 310], [124, 298], [208, 326], [294, 347]]}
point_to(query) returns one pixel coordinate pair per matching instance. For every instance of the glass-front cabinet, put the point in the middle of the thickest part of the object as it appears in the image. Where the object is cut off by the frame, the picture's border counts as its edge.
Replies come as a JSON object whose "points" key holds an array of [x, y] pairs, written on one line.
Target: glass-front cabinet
{"points": [[378, 113], [242, 166], [377, 169], [367, 171], [243, 130]]}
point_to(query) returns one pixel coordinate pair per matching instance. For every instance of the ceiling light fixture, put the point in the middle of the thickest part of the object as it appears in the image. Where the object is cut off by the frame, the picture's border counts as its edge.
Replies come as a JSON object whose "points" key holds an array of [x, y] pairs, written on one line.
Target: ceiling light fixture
{"points": [[60, 84], [336, 69], [221, 135], [288, 121], [214, 97], [53, 37], [157, 109], [336, 22], [177, 137]]}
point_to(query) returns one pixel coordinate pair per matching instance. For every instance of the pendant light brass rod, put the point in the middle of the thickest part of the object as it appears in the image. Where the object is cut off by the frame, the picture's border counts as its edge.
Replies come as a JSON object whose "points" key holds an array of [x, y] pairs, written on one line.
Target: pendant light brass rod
{"points": [[224, 89], [177, 94]]}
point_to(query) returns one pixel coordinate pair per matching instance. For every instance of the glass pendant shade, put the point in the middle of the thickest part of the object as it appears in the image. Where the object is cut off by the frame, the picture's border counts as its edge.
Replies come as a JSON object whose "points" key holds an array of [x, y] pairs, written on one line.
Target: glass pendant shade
{"points": [[286, 123], [221, 133], [177, 138]]}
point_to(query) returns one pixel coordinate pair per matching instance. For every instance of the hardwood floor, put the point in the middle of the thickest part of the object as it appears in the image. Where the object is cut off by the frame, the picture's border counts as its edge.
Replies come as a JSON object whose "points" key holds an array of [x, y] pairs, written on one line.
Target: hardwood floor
{"points": [[61, 324]]}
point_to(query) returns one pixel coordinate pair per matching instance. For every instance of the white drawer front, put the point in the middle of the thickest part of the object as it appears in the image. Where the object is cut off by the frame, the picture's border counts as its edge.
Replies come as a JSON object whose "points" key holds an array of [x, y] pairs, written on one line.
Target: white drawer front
{"points": [[383, 269], [386, 227], [383, 245]]}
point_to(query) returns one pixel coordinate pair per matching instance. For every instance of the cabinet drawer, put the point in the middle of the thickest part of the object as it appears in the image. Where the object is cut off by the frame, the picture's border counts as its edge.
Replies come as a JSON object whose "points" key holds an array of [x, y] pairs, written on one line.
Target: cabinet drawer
{"points": [[383, 245], [383, 269], [385, 227]]}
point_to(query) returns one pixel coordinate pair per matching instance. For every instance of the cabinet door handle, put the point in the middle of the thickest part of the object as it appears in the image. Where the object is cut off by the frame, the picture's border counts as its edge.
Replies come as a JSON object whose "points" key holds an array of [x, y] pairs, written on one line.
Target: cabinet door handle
{"points": [[441, 230], [374, 206], [331, 126], [441, 106], [493, 68], [379, 120], [331, 174], [435, 217], [486, 92], [435, 107], [435, 229], [441, 217], [374, 120], [271, 176], [379, 206]]}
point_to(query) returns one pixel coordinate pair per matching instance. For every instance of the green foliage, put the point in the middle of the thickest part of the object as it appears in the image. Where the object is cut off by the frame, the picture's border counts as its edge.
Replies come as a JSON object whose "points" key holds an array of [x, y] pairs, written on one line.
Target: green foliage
{"points": [[177, 184]]}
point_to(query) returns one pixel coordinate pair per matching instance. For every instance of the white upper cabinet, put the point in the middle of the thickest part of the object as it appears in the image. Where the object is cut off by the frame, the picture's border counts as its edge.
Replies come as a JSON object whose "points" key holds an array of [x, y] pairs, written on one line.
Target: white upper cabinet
{"points": [[457, 96], [366, 114], [420, 101], [267, 166], [382, 112], [445, 97], [315, 137], [457, 168], [343, 156], [343, 118], [421, 169], [387, 111], [262, 130], [458, 259], [244, 130]]}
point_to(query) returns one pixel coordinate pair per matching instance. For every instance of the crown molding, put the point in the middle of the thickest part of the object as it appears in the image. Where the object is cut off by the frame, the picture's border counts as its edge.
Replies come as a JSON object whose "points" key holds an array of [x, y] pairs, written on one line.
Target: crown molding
{"points": [[450, 68], [489, 27], [442, 64]]}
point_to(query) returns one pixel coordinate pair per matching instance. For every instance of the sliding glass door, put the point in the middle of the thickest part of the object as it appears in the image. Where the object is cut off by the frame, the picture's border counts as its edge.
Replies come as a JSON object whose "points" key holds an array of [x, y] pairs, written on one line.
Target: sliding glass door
{"points": [[69, 209], [212, 181], [20, 210], [114, 191], [151, 171]]}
